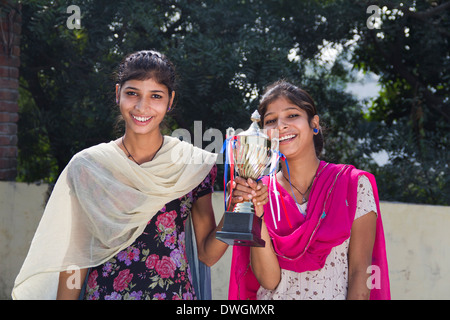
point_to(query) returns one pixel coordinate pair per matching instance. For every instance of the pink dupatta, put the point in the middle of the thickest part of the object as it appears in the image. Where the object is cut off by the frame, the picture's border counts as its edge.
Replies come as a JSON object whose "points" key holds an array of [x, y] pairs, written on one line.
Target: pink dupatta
{"points": [[303, 243]]}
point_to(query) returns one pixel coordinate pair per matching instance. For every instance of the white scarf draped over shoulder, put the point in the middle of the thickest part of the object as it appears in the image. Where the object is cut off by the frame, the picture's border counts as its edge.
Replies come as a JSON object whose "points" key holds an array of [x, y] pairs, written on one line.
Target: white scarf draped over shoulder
{"points": [[100, 204]]}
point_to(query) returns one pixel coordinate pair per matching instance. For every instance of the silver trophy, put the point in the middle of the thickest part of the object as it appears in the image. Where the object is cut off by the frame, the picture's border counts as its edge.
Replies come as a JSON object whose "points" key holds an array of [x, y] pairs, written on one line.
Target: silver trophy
{"points": [[252, 154]]}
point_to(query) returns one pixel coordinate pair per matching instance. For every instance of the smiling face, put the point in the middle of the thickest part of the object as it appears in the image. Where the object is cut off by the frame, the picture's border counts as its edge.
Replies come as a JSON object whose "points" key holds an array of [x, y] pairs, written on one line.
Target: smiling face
{"points": [[294, 129], [143, 105]]}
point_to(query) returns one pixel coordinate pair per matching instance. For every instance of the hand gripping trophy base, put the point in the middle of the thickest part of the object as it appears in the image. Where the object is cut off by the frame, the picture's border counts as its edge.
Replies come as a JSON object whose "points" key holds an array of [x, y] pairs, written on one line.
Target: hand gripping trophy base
{"points": [[241, 227]]}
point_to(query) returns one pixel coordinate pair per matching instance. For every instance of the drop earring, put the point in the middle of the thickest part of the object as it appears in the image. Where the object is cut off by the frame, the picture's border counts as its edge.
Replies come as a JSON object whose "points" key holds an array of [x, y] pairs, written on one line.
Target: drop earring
{"points": [[316, 131]]}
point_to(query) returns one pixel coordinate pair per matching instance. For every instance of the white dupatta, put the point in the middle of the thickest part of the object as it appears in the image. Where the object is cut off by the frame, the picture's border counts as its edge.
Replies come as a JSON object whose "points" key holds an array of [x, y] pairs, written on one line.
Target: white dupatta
{"points": [[100, 204]]}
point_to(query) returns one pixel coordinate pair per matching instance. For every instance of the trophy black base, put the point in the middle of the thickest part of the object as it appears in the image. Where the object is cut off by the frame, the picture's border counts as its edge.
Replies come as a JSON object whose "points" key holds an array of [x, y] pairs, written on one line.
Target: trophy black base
{"points": [[241, 229]]}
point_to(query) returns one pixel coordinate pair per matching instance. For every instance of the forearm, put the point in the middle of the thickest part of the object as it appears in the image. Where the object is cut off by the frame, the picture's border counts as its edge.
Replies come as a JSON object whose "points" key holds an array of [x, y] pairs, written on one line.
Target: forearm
{"points": [[360, 256], [357, 285], [213, 248], [264, 262]]}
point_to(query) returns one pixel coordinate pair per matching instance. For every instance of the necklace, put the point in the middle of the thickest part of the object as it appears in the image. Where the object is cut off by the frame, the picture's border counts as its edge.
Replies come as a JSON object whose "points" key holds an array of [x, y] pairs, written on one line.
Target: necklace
{"points": [[303, 194], [309, 187], [130, 156]]}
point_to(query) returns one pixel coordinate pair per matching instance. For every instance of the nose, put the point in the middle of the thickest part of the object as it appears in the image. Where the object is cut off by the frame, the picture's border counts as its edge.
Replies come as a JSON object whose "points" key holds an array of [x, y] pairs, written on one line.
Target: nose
{"points": [[142, 105], [281, 124]]}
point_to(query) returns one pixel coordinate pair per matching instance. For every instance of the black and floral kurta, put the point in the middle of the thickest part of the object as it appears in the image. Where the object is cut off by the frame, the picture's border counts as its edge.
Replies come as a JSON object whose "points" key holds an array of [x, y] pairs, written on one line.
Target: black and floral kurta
{"points": [[155, 266]]}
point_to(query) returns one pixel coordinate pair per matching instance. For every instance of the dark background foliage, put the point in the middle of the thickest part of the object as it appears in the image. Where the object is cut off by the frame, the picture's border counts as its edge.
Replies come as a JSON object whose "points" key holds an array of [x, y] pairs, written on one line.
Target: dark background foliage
{"points": [[226, 52]]}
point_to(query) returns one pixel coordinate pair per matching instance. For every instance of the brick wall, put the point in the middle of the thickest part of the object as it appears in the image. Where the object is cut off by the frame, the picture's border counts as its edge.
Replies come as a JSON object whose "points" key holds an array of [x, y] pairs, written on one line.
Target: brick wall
{"points": [[10, 29]]}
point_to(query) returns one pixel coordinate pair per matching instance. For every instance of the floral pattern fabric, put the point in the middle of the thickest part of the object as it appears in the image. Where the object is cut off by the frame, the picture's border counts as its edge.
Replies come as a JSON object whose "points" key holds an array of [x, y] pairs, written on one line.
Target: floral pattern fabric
{"points": [[155, 266]]}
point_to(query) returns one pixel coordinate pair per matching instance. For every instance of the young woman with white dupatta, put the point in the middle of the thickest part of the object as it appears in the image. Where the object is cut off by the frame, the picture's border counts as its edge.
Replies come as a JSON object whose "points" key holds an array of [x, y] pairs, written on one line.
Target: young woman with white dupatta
{"points": [[132, 218]]}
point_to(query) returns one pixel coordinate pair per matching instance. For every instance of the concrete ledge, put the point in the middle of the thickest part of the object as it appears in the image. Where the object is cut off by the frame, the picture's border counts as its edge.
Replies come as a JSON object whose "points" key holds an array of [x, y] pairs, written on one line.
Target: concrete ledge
{"points": [[417, 239]]}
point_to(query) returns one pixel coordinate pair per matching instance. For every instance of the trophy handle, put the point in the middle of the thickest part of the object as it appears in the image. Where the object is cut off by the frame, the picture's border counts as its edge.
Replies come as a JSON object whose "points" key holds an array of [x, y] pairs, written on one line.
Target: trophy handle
{"points": [[274, 148], [275, 140], [230, 133], [275, 145]]}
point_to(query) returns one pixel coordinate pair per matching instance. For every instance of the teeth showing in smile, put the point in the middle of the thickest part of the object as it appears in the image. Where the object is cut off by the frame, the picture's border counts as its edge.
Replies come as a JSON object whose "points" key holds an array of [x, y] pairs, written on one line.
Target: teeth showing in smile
{"points": [[287, 137], [141, 119]]}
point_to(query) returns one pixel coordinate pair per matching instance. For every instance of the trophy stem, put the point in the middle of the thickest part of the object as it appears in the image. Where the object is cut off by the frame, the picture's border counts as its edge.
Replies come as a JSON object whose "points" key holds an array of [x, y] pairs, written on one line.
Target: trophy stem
{"points": [[245, 206]]}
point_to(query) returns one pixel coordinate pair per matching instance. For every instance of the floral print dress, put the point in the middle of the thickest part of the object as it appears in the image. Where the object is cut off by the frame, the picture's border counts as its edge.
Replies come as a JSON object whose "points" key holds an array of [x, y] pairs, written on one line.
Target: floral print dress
{"points": [[155, 266]]}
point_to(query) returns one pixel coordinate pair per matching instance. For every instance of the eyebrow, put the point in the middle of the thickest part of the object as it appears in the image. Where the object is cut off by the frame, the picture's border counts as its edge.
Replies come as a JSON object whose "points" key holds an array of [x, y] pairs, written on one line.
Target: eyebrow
{"points": [[288, 108], [133, 88]]}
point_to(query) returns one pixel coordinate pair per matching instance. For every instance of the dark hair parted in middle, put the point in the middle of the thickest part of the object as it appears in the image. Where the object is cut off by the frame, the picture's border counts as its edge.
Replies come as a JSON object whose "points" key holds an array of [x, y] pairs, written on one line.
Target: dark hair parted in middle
{"points": [[146, 64], [297, 96]]}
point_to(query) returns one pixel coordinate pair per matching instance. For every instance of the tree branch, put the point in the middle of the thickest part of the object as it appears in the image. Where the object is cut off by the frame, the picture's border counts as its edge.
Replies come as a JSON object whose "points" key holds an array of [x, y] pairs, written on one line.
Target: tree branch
{"points": [[421, 15], [433, 101]]}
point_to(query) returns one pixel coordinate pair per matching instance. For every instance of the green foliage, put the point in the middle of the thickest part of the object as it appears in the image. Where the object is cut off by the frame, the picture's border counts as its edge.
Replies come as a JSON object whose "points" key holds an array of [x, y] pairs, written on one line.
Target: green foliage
{"points": [[35, 158], [226, 52], [411, 116]]}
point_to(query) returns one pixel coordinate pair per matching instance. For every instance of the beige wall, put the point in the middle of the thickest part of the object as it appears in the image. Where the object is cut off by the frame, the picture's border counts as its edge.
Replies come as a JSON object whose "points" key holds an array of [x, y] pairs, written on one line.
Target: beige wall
{"points": [[21, 207], [417, 239], [417, 244]]}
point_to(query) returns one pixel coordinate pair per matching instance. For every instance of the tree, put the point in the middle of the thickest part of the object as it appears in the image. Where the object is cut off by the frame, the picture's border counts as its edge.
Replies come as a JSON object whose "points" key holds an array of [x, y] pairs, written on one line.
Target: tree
{"points": [[408, 48], [226, 52], [411, 116]]}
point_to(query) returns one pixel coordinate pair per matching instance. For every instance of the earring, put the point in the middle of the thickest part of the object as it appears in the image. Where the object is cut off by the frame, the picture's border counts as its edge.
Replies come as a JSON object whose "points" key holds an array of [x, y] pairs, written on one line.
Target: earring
{"points": [[316, 131]]}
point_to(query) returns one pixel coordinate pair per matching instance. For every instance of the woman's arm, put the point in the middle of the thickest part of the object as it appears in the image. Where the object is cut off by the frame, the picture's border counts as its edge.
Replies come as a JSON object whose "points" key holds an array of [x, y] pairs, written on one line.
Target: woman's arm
{"points": [[210, 249], [360, 256], [263, 260], [70, 284]]}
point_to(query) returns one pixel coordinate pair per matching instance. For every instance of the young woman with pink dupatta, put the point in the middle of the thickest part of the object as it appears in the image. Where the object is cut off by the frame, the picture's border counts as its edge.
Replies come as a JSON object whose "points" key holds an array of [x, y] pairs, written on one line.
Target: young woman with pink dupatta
{"points": [[322, 226]]}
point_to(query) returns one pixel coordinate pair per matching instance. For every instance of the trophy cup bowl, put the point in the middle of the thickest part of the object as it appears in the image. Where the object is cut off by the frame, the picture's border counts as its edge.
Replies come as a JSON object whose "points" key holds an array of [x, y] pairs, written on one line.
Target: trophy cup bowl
{"points": [[251, 155]]}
